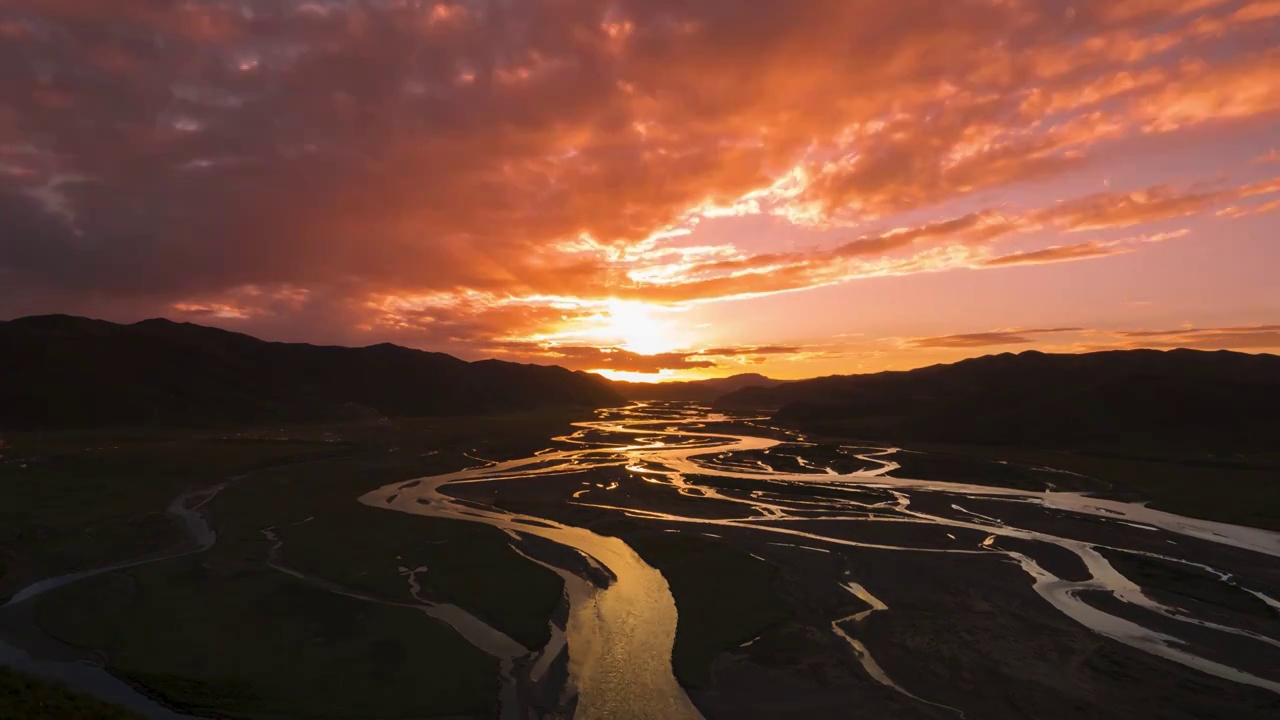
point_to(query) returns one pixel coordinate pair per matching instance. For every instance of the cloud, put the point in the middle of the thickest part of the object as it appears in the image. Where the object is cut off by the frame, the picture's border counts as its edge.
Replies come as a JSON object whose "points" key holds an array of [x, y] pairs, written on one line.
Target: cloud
{"points": [[1237, 211], [1213, 93], [606, 358], [961, 242], [986, 339], [1248, 337], [752, 350], [1195, 331], [1236, 338], [1058, 253], [1163, 202], [444, 173], [1118, 210], [618, 359]]}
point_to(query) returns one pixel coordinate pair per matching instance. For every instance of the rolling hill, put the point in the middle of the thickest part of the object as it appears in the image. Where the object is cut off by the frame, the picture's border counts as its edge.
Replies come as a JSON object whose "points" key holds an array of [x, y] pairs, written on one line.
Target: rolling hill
{"points": [[709, 389], [1221, 399], [61, 371]]}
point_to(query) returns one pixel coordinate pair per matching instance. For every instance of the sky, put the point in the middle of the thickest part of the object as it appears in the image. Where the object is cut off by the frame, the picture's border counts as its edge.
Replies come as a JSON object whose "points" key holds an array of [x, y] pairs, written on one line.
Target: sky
{"points": [[652, 189]]}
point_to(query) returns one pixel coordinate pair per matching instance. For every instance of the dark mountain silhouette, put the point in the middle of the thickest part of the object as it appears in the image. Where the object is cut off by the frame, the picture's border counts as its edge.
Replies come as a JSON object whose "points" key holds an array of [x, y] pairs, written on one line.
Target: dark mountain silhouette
{"points": [[1224, 400], [62, 371], [694, 389]]}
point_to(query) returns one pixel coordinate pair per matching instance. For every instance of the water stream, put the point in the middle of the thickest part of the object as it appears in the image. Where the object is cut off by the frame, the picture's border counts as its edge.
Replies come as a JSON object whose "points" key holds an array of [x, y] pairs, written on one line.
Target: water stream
{"points": [[622, 617], [619, 638], [89, 677]]}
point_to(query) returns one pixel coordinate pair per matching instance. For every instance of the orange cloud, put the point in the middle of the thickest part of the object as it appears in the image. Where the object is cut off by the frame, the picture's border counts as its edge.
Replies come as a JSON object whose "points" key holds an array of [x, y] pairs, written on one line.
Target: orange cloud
{"points": [[986, 339], [617, 359], [1236, 211], [1204, 338], [1246, 337], [948, 244], [1058, 253], [1124, 209], [434, 172], [1245, 88]]}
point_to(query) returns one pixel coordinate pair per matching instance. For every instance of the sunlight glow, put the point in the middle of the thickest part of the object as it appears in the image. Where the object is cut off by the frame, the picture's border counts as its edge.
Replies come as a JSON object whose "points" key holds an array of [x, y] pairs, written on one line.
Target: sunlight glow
{"points": [[664, 375], [635, 327]]}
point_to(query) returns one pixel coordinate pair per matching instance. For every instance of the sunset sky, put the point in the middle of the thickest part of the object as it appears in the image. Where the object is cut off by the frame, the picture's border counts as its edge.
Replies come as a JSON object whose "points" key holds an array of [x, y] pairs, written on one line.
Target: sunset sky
{"points": [[652, 188]]}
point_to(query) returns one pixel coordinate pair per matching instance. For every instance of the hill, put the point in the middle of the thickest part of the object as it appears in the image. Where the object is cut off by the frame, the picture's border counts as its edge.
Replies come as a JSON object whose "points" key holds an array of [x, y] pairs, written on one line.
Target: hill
{"points": [[709, 389], [1224, 400], [62, 371]]}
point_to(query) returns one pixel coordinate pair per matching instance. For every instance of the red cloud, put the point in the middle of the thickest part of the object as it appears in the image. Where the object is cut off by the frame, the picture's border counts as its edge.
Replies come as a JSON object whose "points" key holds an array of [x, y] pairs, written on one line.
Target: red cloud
{"points": [[452, 172]]}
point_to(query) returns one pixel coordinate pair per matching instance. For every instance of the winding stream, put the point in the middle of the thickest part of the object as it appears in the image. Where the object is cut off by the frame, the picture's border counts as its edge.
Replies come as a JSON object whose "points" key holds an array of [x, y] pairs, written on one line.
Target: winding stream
{"points": [[92, 678], [619, 637], [621, 615]]}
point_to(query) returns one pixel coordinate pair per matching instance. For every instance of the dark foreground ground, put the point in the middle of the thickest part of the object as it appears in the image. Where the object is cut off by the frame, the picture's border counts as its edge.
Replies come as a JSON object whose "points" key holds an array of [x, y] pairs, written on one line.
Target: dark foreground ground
{"points": [[221, 633], [225, 633]]}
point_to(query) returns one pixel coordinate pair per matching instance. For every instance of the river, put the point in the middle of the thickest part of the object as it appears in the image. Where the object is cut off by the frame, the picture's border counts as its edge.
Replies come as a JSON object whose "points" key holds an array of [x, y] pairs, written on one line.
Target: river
{"points": [[619, 638], [622, 617], [91, 677]]}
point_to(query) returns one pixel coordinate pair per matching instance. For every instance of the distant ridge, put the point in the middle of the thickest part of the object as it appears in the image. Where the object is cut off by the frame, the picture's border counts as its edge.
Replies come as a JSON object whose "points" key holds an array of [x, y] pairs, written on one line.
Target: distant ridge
{"points": [[64, 371], [1226, 400], [693, 389]]}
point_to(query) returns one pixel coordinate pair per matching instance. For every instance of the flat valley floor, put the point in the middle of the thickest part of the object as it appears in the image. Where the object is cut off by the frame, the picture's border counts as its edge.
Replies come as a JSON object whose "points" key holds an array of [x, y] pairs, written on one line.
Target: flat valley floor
{"points": [[661, 560]]}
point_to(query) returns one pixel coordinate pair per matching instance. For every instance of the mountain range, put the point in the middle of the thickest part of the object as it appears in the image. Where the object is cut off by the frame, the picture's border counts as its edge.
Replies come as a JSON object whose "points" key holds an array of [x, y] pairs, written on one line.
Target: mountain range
{"points": [[62, 371], [704, 390], [1206, 398]]}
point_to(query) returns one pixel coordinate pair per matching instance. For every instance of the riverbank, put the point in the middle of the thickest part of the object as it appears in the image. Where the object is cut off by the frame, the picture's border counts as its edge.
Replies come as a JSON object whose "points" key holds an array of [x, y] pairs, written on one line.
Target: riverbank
{"points": [[922, 584], [24, 697], [224, 633], [679, 555]]}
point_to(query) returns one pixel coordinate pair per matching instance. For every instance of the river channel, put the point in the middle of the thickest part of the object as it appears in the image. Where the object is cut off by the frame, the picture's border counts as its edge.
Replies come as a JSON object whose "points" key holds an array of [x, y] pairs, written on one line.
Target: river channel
{"points": [[619, 636], [1064, 545]]}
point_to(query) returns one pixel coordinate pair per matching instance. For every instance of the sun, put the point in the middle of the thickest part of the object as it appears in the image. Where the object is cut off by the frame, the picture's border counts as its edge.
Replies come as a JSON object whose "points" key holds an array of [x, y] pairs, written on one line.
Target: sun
{"points": [[635, 327]]}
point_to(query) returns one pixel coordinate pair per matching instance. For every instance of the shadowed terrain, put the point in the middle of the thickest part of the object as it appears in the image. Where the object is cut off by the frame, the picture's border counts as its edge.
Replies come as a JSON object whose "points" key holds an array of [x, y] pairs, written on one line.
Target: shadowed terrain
{"points": [[666, 559], [1160, 425], [709, 389], [59, 371], [1218, 401]]}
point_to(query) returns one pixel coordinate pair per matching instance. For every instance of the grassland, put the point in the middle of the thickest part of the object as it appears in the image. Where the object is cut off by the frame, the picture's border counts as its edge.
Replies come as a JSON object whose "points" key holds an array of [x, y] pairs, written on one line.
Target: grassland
{"points": [[26, 698], [70, 501], [223, 633], [1242, 490], [215, 638]]}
